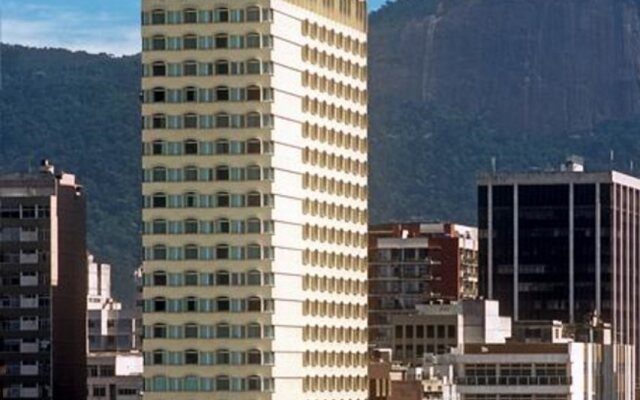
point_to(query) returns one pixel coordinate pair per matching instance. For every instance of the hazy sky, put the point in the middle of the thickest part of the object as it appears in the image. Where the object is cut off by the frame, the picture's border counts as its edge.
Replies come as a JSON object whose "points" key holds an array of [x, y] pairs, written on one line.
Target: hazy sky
{"points": [[109, 26]]}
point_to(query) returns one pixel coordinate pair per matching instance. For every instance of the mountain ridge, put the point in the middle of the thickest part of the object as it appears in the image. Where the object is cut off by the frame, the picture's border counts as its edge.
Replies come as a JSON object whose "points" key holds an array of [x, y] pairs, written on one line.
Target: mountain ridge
{"points": [[82, 110]]}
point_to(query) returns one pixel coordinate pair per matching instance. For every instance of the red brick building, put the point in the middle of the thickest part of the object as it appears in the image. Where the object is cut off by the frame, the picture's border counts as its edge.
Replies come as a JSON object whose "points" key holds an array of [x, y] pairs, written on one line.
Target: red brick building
{"points": [[390, 382], [412, 263]]}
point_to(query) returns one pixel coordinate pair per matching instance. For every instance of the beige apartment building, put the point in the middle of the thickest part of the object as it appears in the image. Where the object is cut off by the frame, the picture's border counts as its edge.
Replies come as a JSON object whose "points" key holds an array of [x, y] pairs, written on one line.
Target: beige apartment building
{"points": [[255, 199]]}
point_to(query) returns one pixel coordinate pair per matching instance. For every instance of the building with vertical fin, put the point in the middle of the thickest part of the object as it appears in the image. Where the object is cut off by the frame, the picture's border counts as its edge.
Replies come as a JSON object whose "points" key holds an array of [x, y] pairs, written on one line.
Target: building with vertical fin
{"points": [[562, 245], [255, 199], [115, 363], [413, 263], [111, 327], [43, 286]]}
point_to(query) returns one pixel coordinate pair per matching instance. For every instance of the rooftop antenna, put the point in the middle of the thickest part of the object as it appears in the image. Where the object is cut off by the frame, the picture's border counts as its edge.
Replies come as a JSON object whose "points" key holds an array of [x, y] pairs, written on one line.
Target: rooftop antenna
{"points": [[631, 166], [493, 164], [611, 158]]}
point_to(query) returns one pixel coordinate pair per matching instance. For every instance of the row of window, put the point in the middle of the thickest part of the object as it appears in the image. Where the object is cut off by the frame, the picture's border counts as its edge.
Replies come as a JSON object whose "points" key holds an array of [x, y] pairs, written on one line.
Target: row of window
{"points": [[334, 87], [329, 110], [219, 331], [334, 359], [334, 63], [334, 186], [218, 15], [101, 391], [514, 380], [334, 285], [334, 137], [20, 211], [219, 252], [334, 260], [335, 162], [219, 304], [220, 120], [221, 383], [24, 301], [334, 334], [334, 236], [334, 211], [410, 351], [252, 40], [195, 200], [221, 173], [192, 94], [333, 38], [218, 357], [220, 68], [218, 147], [219, 226], [219, 278], [511, 396], [334, 309], [335, 383], [428, 331], [516, 369]]}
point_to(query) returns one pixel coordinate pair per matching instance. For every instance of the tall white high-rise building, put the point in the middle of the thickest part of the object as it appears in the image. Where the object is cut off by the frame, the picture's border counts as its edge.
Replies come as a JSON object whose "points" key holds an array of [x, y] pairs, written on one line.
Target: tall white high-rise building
{"points": [[255, 199]]}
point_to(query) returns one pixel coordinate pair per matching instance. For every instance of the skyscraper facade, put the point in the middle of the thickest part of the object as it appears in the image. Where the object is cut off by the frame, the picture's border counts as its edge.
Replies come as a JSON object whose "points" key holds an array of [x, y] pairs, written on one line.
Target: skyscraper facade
{"points": [[43, 286], [562, 245], [255, 199]]}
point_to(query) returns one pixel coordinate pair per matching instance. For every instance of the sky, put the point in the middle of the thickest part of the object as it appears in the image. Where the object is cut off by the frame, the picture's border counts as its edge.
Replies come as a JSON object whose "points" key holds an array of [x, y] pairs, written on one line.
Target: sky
{"points": [[95, 26]]}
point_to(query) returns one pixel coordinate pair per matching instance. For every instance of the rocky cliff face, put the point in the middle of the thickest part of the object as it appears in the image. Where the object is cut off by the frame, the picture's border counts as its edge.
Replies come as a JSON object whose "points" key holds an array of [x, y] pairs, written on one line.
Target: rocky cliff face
{"points": [[543, 67]]}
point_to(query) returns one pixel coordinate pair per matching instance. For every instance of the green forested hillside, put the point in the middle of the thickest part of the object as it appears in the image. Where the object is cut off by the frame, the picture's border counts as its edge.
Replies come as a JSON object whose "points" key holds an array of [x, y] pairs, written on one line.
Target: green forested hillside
{"points": [[81, 112], [443, 103], [424, 161]]}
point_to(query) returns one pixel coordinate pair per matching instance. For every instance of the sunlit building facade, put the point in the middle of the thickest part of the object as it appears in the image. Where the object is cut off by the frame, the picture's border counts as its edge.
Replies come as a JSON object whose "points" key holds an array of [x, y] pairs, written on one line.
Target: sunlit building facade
{"points": [[255, 199]]}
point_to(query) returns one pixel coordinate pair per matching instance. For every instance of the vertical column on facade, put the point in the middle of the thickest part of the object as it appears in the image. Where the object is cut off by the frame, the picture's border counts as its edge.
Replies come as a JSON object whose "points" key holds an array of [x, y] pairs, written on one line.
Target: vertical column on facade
{"points": [[490, 241], [598, 260], [633, 264], [627, 261], [614, 265], [636, 283], [571, 256], [515, 253]]}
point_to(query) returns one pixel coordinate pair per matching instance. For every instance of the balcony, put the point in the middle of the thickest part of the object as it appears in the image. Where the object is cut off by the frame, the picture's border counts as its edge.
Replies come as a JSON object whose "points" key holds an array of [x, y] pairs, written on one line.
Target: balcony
{"points": [[30, 393], [28, 235], [29, 280], [28, 302], [29, 347], [28, 258], [18, 392], [29, 370], [29, 324]]}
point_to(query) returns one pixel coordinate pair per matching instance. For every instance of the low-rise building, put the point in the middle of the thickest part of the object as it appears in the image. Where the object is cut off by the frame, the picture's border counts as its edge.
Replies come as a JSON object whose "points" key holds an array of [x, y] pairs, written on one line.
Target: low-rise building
{"points": [[438, 327], [379, 373], [465, 350], [111, 327], [114, 376], [115, 363], [545, 366]]}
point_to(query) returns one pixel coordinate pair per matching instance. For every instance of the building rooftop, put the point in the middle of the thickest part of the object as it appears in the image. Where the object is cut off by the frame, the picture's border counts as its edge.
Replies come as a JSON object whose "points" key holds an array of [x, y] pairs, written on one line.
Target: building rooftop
{"points": [[20, 184], [557, 177], [516, 348]]}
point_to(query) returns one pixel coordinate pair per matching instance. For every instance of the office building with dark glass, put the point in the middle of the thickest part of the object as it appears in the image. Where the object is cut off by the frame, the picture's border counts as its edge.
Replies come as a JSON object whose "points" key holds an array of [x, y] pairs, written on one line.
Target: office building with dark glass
{"points": [[562, 245]]}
